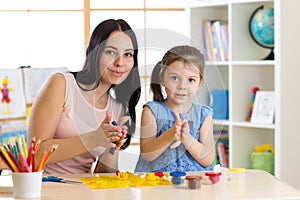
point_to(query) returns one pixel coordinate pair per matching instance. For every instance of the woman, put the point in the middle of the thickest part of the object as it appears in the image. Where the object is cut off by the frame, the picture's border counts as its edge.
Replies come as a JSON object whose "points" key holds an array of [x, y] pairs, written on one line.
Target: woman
{"points": [[75, 110]]}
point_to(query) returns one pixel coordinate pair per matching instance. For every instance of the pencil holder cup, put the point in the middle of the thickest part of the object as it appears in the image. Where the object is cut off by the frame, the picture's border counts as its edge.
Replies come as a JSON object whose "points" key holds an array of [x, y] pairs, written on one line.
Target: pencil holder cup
{"points": [[27, 184]]}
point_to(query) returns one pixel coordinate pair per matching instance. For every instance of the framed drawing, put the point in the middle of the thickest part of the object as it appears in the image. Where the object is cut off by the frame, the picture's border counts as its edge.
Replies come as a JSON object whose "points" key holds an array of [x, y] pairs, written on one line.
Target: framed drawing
{"points": [[12, 104], [264, 107]]}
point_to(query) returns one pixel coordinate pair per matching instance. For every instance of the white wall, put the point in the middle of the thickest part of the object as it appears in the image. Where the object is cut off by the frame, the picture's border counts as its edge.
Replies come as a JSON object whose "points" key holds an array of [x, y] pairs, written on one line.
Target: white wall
{"points": [[128, 158], [290, 93]]}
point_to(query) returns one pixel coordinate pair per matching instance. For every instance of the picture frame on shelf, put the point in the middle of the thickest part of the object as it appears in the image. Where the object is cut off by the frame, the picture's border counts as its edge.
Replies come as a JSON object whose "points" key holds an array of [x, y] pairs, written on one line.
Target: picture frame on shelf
{"points": [[264, 107]]}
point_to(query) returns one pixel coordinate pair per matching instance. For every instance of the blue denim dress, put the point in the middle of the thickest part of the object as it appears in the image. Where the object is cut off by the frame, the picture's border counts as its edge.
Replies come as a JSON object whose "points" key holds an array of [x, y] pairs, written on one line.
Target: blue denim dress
{"points": [[178, 159]]}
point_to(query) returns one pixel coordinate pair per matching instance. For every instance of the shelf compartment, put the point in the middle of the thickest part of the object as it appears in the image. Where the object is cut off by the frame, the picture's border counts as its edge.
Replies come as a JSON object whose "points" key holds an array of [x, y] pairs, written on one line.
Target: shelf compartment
{"points": [[240, 151], [244, 78], [202, 13], [243, 46]]}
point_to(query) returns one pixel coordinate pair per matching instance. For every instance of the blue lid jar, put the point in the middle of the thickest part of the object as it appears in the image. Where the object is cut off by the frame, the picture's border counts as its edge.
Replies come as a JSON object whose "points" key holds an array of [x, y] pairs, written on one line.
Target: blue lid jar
{"points": [[178, 177]]}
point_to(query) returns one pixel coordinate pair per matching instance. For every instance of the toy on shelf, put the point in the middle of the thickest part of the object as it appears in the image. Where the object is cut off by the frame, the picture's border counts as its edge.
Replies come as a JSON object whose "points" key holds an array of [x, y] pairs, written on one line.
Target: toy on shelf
{"points": [[254, 90], [5, 90]]}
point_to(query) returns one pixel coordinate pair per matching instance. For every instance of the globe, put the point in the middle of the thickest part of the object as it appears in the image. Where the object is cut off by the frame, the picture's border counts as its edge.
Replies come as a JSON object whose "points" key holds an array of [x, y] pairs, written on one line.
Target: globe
{"points": [[262, 28]]}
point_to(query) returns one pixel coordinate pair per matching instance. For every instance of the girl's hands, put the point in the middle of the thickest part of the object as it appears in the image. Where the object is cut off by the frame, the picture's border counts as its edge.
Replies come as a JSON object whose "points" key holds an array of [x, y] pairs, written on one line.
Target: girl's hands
{"points": [[182, 130], [185, 130], [177, 126]]}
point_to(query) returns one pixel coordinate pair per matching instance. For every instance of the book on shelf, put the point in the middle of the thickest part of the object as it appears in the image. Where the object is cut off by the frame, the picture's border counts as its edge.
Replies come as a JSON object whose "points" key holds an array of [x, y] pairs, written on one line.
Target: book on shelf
{"points": [[222, 154], [218, 41], [215, 39], [206, 41], [221, 147], [224, 39], [215, 42], [209, 40]]}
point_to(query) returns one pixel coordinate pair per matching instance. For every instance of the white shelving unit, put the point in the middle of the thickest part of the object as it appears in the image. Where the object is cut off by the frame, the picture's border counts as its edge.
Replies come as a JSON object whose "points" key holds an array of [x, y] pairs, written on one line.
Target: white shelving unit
{"points": [[244, 70]]}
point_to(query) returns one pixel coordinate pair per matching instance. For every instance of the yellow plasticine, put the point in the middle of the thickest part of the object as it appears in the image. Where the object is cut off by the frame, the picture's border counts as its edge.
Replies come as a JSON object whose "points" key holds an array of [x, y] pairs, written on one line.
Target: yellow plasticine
{"points": [[135, 180], [123, 175], [103, 182], [125, 179], [151, 177]]}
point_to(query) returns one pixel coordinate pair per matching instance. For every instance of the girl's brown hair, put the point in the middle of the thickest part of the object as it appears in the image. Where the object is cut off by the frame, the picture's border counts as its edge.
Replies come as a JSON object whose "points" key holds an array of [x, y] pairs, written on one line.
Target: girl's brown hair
{"points": [[186, 54]]}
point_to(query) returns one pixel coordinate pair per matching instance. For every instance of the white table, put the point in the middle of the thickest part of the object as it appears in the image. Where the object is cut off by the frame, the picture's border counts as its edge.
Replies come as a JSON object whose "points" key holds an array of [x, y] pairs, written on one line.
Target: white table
{"points": [[256, 185]]}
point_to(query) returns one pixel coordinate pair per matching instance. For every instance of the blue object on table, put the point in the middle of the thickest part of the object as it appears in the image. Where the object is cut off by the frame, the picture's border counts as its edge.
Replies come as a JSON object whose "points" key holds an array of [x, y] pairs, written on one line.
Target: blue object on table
{"points": [[57, 179], [52, 179], [178, 177], [112, 150]]}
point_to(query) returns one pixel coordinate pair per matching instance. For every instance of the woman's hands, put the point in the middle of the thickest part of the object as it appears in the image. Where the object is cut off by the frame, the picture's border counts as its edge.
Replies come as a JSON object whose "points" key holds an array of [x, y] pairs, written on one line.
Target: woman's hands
{"points": [[114, 133]]}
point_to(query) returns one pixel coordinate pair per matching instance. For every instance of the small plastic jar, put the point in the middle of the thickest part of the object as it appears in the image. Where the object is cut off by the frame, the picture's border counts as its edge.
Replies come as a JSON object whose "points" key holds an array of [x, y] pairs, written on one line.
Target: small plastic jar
{"points": [[178, 178], [214, 177], [237, 174], [193, 182]]}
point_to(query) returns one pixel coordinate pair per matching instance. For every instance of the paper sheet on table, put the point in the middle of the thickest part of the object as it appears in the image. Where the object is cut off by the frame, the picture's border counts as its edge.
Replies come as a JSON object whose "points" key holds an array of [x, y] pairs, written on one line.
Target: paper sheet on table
{"points": [[133, 180]]}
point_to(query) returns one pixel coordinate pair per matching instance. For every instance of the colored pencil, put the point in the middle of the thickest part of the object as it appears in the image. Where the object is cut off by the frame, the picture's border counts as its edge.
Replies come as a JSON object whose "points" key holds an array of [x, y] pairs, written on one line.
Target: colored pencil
{"points": [[18, 159], [33, 141], [49, 154], [24, 146], [5, 161], [15, 161], [29, 154], [37, 145], [9, 161], [46, 158], [18, 147], [19, 139], [33, 169], [41, 161], [15, 151], [24, 163], [10, 147]]}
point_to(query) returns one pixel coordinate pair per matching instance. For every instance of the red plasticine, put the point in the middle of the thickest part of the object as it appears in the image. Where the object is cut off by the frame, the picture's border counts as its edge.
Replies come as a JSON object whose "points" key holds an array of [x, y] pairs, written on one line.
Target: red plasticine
{"points": [[214, 177]]}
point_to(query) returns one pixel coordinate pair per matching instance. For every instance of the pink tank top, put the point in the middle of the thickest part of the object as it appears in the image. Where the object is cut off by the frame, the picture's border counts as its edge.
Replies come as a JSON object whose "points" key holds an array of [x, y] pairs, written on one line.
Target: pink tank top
{"points": [[79, 117]]}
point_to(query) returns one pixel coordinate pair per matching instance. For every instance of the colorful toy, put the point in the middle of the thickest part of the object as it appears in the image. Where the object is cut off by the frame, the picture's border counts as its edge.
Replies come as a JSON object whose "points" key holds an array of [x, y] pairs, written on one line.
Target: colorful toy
{"points": [[5, 95], [254, 90], [264, 148]]}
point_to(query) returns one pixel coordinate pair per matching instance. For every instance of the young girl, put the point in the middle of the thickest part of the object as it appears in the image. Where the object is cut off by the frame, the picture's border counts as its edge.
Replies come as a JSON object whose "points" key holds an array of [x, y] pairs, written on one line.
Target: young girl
{"points": [[173, 118]]}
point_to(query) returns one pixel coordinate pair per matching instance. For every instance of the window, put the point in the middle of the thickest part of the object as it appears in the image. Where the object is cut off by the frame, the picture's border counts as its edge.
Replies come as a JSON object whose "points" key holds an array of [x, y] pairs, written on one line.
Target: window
{"points": [[51, 33]]}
